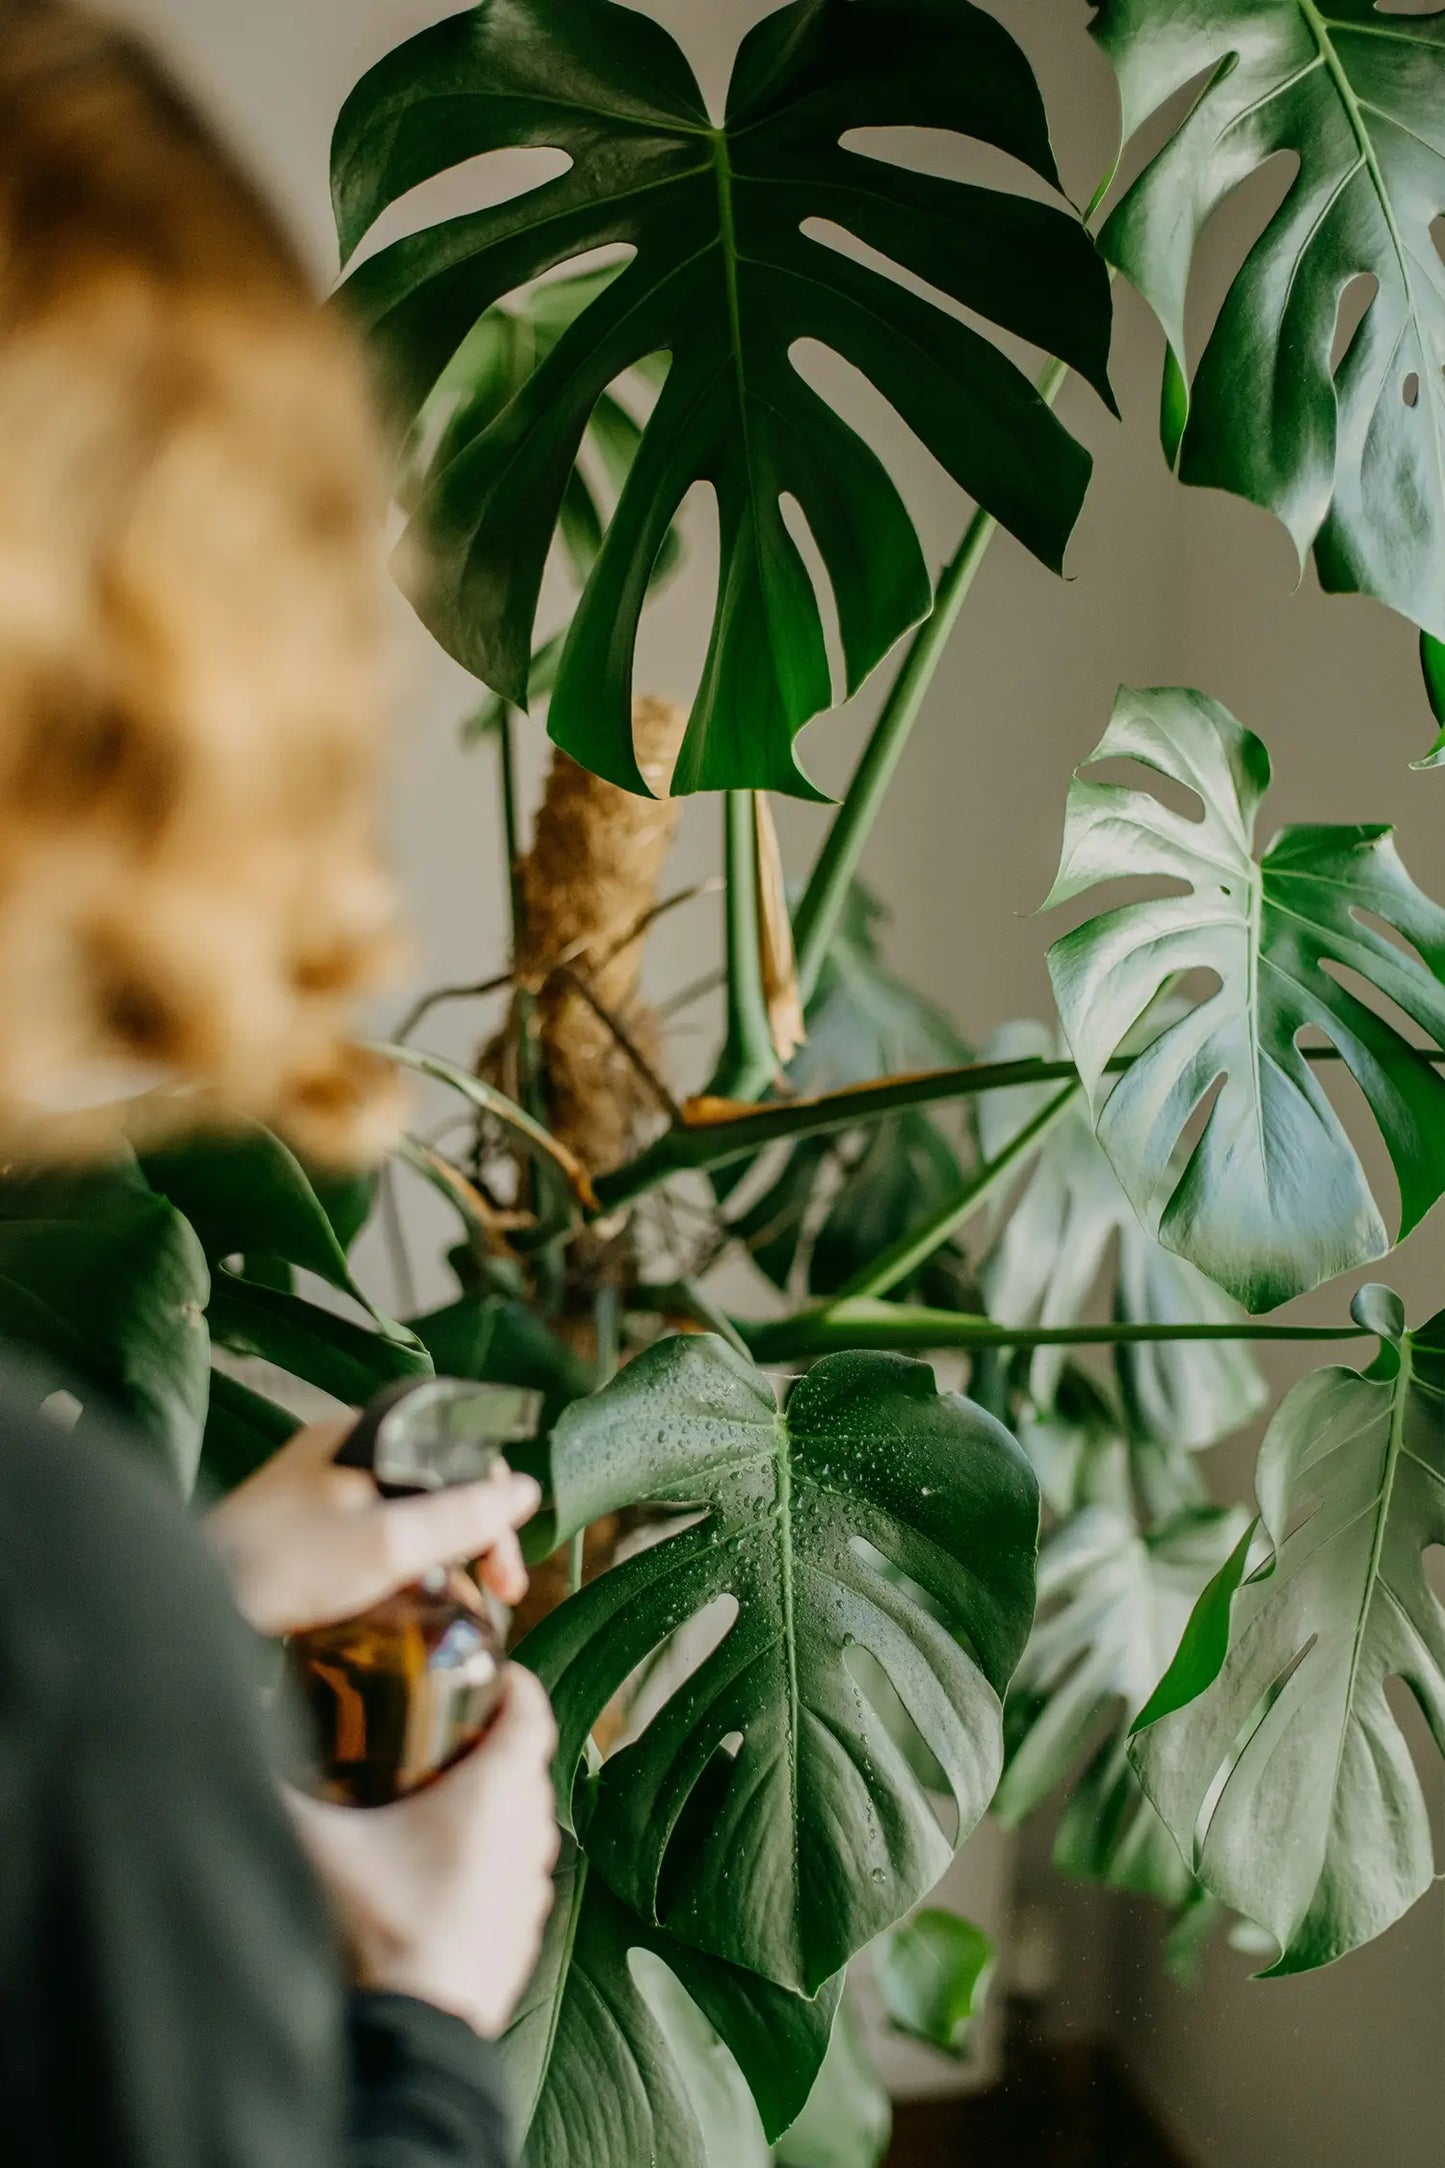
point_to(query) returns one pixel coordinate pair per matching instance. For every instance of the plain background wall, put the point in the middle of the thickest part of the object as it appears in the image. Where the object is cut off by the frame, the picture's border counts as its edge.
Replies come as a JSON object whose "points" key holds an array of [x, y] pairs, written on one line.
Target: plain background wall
{"points": [[1168, 586]]}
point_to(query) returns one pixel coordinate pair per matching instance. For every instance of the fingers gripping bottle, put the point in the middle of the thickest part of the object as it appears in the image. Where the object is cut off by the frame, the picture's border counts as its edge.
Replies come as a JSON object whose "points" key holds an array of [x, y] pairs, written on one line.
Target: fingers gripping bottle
{"points": [[398, 1694]]}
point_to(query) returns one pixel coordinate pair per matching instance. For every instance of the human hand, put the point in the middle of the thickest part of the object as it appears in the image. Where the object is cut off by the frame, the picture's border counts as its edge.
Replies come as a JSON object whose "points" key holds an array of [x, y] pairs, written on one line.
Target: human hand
{"points": [[306, 1542], [444, 1895]]}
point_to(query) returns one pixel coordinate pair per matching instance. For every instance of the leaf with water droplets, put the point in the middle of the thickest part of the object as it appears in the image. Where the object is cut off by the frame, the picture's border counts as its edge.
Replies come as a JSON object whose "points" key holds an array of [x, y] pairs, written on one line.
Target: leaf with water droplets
{"points": [[922, 1553]]}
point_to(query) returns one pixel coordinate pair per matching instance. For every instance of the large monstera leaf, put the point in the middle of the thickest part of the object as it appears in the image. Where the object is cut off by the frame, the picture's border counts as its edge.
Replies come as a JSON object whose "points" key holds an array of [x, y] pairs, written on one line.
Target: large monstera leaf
{"points": [[765, 1813], [722, 279], [1113, 1605], [1070, 1221], [1352, 458], [1269, 1748], [593, 2072], [1272, 1199]]}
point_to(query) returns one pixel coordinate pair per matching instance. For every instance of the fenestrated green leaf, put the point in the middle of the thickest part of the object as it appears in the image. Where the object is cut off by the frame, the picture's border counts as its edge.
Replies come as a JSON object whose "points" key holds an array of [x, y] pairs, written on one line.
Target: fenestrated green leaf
{"points": [[723, 278], [933, 1975], [1113, 1606], [1272, 1753], [1352, 458], [1272, 1198], [104, 1280], [796, 1849], [589, 2067], [1070, 1221]]}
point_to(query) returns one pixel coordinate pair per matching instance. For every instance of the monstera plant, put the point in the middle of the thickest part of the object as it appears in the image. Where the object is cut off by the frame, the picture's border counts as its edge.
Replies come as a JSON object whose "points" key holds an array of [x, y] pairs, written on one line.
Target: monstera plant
{"points": [[791, 1602]]}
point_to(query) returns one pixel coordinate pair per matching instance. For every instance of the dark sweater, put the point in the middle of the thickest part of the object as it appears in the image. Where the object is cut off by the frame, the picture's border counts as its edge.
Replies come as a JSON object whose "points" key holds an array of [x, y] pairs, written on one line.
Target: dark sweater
{"points": [[170, 1995]]}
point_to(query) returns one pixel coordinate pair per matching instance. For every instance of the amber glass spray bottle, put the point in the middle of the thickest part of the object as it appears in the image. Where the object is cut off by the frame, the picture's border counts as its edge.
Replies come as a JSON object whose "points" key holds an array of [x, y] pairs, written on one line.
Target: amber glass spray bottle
{"points": [[398, 1694]]}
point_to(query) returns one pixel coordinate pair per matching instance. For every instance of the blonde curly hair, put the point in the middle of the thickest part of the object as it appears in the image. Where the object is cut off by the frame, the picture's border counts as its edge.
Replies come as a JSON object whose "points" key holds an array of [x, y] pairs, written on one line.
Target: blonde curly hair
{"points": [[190, 618]]}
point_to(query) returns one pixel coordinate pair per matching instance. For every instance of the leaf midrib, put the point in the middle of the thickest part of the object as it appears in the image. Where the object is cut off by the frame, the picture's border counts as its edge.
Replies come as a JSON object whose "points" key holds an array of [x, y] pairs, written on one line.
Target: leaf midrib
{"points": [[1394, 1445], [783, 1478], [564, 1973], [1321, 31]]}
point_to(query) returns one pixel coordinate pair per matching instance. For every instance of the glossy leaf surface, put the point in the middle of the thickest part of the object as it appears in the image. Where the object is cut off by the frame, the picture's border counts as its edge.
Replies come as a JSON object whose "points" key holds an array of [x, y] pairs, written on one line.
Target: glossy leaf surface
{"points": [[1272, 1199], [765, 1813], [1350, 453], [104, 1281], [592, 2073], [1270, 1748], [338, 1357], [848, 2117], [722, 278], [246, 1193]]}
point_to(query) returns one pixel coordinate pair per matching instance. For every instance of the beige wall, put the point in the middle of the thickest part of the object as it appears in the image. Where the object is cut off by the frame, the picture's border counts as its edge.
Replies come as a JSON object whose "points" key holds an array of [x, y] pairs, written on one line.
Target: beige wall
{"points": [[1169, 586]]}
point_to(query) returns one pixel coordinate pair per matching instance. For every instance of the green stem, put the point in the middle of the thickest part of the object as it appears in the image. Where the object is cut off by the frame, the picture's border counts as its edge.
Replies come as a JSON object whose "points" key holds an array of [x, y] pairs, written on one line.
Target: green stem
{"points": [[902, 1326], [511, 829], [748, 1062], [821, 907], [902, 1258], [704, 1145]]}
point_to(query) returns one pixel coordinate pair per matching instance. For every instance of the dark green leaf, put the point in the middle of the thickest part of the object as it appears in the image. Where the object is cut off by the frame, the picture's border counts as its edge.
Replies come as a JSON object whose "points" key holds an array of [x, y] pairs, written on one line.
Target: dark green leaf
{"points": [[862, 1022], [1272, 1199], [245, 1192], [243, 1430], [1070, 1222], [903, 1172], [105, 1281], [933, 1974], [723, 277], [795, 1850], [591, 2071], [501, 1342], [1274, 1756], [1432, 669], [346, 1199], [488, 370], [775, 1228], [848, 2117], [1348, 455], [327, 1351]]}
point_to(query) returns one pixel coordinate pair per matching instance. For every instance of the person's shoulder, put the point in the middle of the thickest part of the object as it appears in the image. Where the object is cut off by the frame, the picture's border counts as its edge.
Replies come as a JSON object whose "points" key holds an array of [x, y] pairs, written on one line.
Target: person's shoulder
{"points": [[105, 1584]]}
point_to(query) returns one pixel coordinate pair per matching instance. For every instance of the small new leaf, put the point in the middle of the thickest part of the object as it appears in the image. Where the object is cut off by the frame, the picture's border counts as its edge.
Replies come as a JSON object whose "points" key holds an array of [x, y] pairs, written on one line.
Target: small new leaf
{"points": [[933, 1974]]}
